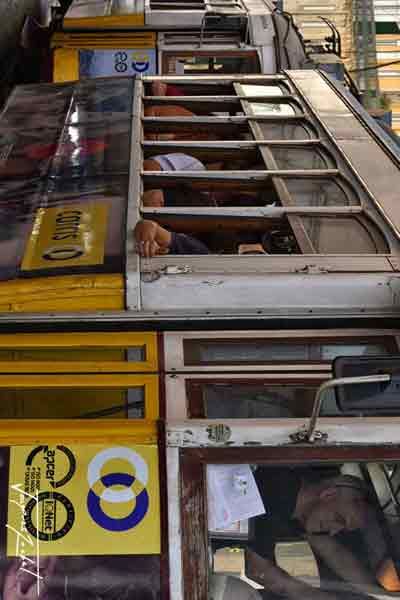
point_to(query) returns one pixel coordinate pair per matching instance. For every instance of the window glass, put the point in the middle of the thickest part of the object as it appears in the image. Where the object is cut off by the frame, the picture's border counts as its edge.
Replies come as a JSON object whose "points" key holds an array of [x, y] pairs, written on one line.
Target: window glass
{"points": [[336, 235], [286, 131], [200, 64], [319, 192], [261, 90], [250, 400], [299, 158], [258, 351], [348, 542], [72, 403], [92, 151], [81, 354], [271, 109]]}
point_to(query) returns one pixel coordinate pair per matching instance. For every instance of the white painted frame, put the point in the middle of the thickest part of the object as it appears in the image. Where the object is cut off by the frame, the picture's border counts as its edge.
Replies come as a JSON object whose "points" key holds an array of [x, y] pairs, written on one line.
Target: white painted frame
{"points": [[174, 356]]}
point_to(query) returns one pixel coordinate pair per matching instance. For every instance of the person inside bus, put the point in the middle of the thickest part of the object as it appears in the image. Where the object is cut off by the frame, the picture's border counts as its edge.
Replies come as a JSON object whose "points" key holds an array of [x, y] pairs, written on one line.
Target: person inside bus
{"points": [[228, 587], [151, 240], [331, 511], [184, 133]]}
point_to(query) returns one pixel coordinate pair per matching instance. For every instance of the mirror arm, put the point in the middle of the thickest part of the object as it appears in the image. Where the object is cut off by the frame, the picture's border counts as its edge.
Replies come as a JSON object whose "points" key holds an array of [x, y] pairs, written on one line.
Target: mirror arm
{"points": [[310, 434]]}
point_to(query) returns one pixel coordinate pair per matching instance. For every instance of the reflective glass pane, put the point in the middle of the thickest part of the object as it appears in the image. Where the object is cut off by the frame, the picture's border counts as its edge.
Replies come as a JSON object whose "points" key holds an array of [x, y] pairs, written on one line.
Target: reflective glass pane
{"points": [[251, 400], [258, 351], [336, 235], [215, 63], [261, 90], [81, 354], [286, 131], [271, 109], [320, 192], [299, 158], [74, 403]]}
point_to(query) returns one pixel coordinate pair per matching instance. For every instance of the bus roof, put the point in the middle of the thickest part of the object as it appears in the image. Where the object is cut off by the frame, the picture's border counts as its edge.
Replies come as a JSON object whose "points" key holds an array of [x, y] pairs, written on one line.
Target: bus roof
{"points": [[162, 14]]}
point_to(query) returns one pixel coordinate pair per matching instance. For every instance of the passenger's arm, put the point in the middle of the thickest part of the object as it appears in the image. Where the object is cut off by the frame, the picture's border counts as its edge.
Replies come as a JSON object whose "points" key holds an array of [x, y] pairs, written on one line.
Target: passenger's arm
{"points": [[276, 580], [340, 559], [153, 198], [151, 238]]}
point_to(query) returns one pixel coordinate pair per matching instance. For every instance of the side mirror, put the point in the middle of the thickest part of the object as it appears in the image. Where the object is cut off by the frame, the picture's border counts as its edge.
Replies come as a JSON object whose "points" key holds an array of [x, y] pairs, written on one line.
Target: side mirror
{"points": [[364, 385], [374, 398]]}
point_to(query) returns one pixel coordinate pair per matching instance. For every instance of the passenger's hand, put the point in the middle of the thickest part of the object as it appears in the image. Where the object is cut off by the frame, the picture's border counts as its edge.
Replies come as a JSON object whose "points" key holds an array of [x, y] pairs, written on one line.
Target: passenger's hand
{"points": [[158, 88], [153, 198], [145, 236]]}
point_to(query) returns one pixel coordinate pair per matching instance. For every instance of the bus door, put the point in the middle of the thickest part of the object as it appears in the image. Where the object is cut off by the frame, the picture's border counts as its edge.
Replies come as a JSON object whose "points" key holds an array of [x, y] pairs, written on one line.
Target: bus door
{"points": [[79, 465], [263, 507]]}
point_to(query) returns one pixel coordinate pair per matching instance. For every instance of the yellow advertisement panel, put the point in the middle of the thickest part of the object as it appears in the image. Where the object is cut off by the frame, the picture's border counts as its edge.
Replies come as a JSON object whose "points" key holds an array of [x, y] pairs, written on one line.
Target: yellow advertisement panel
{"points": [[67, 236], [84, 500]]}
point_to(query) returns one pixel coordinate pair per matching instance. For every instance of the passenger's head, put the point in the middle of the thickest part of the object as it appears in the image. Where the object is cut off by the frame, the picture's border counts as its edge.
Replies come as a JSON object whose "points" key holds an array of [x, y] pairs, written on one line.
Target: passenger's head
{"points": [[335, 504]]}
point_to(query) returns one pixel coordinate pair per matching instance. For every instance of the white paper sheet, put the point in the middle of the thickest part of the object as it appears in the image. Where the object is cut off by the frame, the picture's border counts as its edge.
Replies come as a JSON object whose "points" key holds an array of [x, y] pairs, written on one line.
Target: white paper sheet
{"points": [[232, 495]]}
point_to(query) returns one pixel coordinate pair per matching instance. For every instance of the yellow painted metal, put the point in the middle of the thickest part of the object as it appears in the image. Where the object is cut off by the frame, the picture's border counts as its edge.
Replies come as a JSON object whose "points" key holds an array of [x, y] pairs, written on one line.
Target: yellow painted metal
{"points": [[83, 40], [67, 293], [48, 431], [107, 22], [39, 394], [76, 352], [65, 65], [67, 46]]}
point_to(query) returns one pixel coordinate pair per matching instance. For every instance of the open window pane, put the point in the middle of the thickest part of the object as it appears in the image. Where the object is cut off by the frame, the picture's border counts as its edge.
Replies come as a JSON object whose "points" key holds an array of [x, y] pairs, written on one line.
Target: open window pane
{"points": [[336, 235], [350, 540]]}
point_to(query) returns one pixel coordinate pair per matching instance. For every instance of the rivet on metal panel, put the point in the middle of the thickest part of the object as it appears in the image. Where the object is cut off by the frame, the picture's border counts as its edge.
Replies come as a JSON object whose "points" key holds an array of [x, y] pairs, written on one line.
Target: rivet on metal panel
{"points": [[313, 269], [301, 437], [219, 433]]}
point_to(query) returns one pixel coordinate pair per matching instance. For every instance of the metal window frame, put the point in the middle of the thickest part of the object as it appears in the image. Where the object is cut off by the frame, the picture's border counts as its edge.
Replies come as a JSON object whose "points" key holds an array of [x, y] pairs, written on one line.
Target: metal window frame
{"points": [[190, 447], [29, 381], [175, 359], [79, 341]]}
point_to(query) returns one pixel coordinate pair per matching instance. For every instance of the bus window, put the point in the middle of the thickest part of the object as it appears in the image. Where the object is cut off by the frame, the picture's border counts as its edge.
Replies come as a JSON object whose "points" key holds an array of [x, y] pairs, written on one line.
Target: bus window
{"points": [[222, 352], [201, 63], [92, 151], [284, 130], [339, 235], [251, 506], [301, 158], [274, 109], [273, 89], [79, 397], [320, 192], [258, 399]]}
